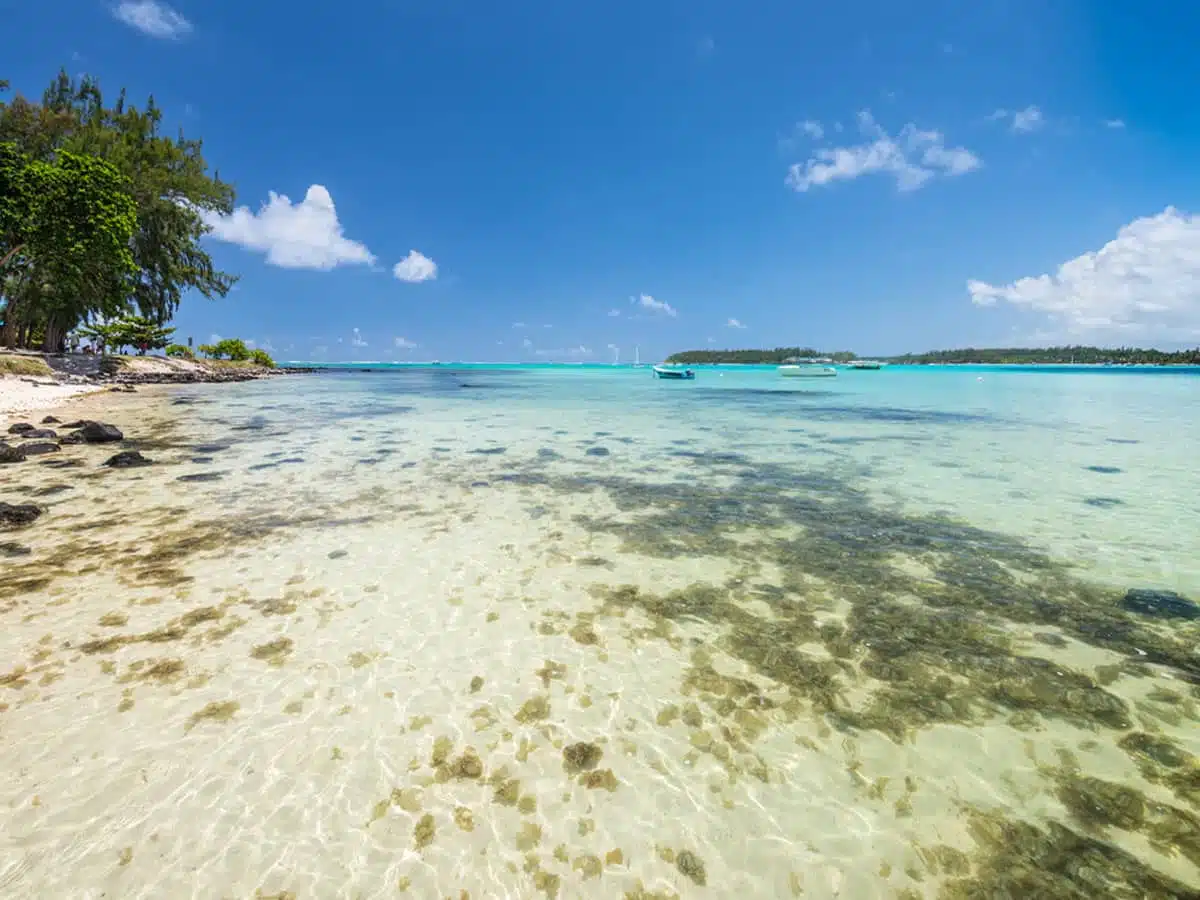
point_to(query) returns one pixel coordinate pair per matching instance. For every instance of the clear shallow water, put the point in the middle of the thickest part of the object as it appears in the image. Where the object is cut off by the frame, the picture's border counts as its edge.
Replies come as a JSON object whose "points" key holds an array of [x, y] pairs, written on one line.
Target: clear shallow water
{"points": [[846, 638]]}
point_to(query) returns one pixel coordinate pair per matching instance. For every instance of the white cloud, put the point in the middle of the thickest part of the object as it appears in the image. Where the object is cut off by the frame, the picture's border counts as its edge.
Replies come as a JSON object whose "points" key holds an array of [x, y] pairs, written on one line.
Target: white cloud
{"points": [[357, 340], [304, 235], [645, 301], [547, 326], [705, 46], [570, 352], [1021, 120], [613, 313], [812, 129], [613, 347], [1027, 119], [1146, 280], [415, 268], [1114, 123], [214, 338], [734, 323], [519, 325], [527, 343], [154, 19], [404, 344], [912, 158]]}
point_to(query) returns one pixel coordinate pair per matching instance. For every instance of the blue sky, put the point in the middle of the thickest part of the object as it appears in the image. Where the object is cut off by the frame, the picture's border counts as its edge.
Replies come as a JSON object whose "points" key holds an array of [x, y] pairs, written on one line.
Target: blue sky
{"points": [[557, 179]]}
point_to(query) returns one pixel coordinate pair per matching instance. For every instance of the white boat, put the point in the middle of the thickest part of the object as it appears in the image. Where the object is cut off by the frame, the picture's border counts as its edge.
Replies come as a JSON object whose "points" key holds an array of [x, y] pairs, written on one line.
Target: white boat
{"points": [[637, 358], [807, 369], [865, 364], [672, 373]]}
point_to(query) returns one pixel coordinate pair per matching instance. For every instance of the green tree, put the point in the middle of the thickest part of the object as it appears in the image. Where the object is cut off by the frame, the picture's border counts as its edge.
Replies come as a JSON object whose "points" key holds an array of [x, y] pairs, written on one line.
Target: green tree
{"points": [[168, 180], [65, 232], [180, 351], [262, 358], [232, 348]]}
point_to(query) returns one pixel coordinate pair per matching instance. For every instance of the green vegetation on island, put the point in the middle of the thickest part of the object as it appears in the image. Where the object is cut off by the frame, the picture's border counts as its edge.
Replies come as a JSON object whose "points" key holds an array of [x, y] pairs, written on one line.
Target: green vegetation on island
{"points": [[1054, 356], [982, 356], [101, 216], [754, 357]]}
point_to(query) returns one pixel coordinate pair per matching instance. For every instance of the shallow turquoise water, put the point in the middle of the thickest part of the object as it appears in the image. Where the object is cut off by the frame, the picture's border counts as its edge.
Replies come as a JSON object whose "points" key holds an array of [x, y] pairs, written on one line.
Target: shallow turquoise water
{"points": [[576, 632], [1027, 451]]}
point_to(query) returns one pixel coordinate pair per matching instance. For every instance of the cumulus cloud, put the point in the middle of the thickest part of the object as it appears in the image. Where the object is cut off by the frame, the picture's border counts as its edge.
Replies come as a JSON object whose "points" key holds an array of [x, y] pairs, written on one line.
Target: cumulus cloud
{"points": [[912, 158], [1146, 280], [1021, 120], [812, 129], [404, 343], [305, 235], [357, 340], [734, 323], [157, 20], [645, 301], [415, 268]]}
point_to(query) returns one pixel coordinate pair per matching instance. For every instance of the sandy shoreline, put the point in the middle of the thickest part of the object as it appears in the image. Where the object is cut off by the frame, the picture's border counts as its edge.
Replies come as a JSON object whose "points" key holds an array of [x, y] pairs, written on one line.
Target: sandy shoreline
{"points": [[20, 395]]}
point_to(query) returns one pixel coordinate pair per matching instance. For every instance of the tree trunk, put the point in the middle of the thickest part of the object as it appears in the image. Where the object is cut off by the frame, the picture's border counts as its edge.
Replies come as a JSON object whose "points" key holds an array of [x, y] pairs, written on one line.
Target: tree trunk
{"points": [[54, 338]]}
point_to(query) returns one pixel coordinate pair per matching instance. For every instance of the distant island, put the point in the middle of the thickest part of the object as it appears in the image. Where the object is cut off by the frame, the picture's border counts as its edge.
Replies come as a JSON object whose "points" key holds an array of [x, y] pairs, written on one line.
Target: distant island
{"points": [[980, 356], [754, 357]]}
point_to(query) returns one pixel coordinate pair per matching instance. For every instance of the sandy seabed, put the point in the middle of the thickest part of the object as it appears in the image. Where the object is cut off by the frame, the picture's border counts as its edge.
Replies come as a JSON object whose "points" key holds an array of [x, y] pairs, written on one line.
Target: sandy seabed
{"points": [[265, 667]]}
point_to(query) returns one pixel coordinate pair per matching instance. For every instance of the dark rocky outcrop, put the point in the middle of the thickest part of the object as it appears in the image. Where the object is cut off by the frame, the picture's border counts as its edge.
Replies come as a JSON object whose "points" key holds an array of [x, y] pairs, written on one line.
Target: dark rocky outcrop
{"points": [[10, 454], [1160, 604], [11, 550], [20, 428], [93, 433], [39, 448], [128, 459], [50, 420], [39, 433], [18, 515]]}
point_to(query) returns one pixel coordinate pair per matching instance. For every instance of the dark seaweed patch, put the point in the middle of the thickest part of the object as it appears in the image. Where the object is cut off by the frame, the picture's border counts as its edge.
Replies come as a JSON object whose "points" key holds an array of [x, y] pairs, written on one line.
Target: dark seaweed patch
{"points": [[1104, 502], [489, 451], [1105, 470]]}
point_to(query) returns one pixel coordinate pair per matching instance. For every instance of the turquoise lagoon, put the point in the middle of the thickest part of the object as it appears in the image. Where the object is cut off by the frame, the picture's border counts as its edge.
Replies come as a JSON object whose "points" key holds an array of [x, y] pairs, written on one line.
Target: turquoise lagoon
{"points": [[569, 631]]}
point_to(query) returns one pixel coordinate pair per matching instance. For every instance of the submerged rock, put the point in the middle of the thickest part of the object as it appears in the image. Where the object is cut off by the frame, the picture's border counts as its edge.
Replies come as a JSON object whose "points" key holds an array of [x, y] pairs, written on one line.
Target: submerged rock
{"points": [[18, 515], [10, 454], [39, 433], [20, 428], [128, 459], [1160, 604], [11, 550], [93, 433], [38, 448], [597, 451]]}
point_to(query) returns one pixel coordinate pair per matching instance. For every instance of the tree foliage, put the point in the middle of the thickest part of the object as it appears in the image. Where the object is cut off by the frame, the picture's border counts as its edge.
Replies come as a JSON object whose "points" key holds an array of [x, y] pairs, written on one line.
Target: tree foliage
{"points": [[751, 357], [168, 182], [65, 232], [137, 332], [1054, 356]]}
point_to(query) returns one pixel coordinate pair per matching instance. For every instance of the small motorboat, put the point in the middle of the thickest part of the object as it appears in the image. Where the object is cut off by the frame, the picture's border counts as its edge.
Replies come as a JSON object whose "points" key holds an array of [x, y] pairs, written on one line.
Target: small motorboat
{"points": [[864, 364], [807, 369], [673, 373]]}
